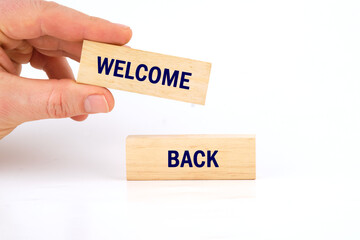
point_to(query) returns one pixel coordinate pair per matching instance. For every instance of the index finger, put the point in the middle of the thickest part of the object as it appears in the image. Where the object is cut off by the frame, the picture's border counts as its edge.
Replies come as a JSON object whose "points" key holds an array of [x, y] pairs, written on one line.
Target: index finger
{"points": [[33, 19]]}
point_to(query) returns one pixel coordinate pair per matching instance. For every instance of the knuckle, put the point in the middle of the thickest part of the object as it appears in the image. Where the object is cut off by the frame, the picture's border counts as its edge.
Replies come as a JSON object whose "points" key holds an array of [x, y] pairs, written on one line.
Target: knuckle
{"points": [[57, 106], [6, 106], [4, 109]]}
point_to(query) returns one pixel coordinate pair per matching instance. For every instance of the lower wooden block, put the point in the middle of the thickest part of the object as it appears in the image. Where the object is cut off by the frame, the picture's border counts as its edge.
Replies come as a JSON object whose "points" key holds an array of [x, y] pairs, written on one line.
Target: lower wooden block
{"points": [[192, 157]]}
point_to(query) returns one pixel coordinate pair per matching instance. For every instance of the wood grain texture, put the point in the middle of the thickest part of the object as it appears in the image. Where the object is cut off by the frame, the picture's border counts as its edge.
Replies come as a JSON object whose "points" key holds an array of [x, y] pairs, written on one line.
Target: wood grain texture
{"points": [[147, 157], [89, 74]]}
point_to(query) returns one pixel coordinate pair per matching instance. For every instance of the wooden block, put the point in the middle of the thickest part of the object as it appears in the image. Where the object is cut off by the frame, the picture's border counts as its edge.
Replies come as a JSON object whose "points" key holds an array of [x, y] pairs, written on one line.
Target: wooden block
{"points": [[144, 72], [179, 157]]}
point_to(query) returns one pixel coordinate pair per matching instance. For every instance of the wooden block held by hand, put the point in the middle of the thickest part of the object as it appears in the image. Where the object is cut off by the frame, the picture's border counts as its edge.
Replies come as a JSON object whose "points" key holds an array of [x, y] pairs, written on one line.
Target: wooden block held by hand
{"points": [[179, 157], [144, 72]]}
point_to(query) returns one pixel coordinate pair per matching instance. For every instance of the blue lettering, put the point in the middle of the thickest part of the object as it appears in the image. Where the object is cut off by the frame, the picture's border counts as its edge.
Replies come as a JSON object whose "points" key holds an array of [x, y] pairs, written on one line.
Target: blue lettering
{"points": [[117, 68], [183, 79], [169, 80], [128, 64], [137, 72], [172, 158], [186, 159], [151, 79], [211, 158], [154, 75], [104, 64], [196, 157]]}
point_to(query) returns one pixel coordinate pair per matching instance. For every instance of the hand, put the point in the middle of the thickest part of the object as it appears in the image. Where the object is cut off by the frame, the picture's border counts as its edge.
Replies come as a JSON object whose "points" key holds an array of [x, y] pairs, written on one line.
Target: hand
{"points": [[44, 34]]}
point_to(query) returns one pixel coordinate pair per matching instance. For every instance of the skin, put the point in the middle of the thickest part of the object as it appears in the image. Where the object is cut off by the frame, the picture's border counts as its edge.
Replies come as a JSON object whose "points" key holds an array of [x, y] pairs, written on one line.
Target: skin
{"points": [[44, 34]]}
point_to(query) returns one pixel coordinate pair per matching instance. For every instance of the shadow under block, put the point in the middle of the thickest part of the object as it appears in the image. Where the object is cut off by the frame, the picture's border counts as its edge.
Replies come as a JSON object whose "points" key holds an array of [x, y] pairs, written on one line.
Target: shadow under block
{"points": [[143, 72], [191, 157]]}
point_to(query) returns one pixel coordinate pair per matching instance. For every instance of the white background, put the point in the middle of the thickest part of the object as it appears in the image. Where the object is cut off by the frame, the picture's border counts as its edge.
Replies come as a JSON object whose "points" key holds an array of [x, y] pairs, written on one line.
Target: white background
{"points": [[287, 71]]}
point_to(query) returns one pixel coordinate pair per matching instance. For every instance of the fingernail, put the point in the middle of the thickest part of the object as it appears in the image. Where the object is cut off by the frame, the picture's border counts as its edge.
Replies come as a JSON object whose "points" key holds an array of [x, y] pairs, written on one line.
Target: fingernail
{"points": [[96, 104]]}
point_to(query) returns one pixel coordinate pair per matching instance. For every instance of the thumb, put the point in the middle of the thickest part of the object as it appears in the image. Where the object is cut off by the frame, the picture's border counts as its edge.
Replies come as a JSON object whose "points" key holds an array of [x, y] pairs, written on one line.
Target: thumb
{"points": [[32, 99]]}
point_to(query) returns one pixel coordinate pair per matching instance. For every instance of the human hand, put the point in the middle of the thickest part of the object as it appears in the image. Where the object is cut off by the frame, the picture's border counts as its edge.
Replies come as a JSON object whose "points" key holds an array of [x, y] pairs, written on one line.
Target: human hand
{"points": [[44, 34]]}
